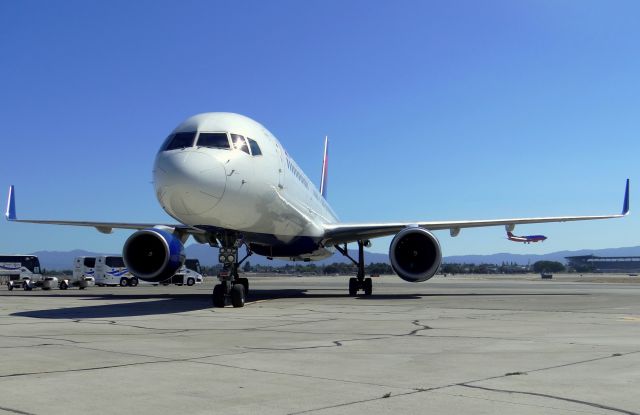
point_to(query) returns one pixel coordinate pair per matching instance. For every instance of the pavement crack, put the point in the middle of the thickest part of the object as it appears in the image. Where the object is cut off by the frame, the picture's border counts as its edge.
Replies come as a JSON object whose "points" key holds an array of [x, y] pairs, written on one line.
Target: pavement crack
{"points": [[300, 375], [560, 398], [421, 328], [15, 411], [468, 384], [338, 343]]}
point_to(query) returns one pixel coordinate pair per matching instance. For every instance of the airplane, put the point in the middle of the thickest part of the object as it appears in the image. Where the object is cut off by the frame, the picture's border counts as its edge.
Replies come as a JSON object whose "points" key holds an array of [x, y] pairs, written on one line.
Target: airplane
{"points": [[527, 239], [229, 182]]}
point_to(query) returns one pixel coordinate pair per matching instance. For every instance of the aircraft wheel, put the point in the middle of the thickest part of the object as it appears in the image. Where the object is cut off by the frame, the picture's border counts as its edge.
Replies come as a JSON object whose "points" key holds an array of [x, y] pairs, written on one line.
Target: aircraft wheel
{"points": [[245, 284], [133, 282], [10, 286], [190, 281], [218, 295], [237, 295], [368, 286], [63, 285], [124, 282], [353, 286]]}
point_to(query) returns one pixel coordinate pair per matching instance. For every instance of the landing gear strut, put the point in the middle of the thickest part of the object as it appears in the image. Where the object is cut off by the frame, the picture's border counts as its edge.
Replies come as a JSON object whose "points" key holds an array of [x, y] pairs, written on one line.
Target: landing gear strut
{"points": [[359, 282], [232, 288]]}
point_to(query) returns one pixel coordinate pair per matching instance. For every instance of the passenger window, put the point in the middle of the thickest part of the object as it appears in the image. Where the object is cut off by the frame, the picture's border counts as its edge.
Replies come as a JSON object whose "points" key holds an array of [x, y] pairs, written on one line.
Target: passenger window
{"points": [[240, 143], [180, 140], [214, 140], [255, 148]]}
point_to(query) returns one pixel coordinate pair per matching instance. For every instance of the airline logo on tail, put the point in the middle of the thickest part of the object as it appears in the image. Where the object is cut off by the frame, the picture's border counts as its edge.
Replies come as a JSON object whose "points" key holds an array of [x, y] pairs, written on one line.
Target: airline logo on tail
{"points": [[325, 162]]}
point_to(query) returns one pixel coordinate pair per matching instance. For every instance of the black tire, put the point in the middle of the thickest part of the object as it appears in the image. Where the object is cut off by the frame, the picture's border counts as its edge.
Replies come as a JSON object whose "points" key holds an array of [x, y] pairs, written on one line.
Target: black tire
{"points": [[353, 286], [133, 282], [368, 286], [63, 285], [245, 284], [237, 295], [10, 286], [190, 281], [218, 296], [81, 288], [124, 282]]}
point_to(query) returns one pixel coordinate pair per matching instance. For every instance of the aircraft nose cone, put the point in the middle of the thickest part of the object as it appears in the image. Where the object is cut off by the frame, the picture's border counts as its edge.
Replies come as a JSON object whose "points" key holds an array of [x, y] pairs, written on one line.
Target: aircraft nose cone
{"points": [[189, 182]]}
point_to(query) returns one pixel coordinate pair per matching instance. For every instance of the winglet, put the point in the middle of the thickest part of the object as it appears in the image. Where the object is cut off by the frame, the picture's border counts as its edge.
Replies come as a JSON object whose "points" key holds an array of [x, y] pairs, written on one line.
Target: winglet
{"points": [[10, 214], [625, 205], [325, 165]]}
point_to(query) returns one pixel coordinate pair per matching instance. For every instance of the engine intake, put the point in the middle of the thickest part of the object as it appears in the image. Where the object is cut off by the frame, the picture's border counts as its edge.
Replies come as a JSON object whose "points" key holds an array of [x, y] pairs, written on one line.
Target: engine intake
{"points": [[415, 254], [153, 254]]}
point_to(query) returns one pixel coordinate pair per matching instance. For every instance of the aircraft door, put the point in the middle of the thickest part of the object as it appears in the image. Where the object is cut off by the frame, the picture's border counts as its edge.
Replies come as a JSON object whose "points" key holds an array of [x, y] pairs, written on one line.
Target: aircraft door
{"points": [[281, 166]]}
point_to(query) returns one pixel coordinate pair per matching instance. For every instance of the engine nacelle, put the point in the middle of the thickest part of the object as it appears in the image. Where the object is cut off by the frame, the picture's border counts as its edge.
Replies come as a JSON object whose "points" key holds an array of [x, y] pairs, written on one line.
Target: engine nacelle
{"points": [[415, 254], [153, 254]]}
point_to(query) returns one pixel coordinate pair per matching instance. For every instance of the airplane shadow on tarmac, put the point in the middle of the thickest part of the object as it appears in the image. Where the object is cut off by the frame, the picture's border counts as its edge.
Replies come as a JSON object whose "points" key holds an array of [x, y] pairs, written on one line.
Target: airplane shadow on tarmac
{"points": [[157, 304]]}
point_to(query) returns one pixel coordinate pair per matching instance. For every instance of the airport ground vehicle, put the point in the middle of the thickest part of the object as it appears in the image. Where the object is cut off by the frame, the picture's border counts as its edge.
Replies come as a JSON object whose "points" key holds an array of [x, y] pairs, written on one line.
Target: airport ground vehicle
{"points": [[83, 273], [110, 270], [23, 271], [189, 274], [45, 283]]}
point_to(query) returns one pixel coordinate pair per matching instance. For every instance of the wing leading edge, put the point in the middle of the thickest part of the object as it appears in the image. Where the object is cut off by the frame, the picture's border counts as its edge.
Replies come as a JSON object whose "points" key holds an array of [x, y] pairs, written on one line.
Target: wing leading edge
{"points": [[104, 227], [350, 232]]}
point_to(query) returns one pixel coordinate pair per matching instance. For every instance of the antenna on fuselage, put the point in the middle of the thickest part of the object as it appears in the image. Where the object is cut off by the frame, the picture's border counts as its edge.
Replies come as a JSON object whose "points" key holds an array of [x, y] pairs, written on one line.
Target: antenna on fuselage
{"points": [[325, 162]]}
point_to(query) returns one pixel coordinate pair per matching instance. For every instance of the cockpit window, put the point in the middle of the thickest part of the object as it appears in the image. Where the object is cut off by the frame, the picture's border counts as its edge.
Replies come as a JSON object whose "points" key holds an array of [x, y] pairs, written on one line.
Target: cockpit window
{"points": [[180, 140], [255, 148], [240, 143], [213, 140]]}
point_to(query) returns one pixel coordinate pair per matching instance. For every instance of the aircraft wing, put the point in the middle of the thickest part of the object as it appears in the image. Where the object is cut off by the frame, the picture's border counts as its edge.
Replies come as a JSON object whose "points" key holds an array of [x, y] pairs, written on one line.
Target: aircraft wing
{"points": [[349, 232], [104, 227]]}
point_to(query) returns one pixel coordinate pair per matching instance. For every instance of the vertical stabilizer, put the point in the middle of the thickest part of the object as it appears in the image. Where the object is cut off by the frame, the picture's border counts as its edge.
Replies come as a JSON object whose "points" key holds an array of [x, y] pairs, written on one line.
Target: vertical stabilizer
{"points": [[325, 163]]}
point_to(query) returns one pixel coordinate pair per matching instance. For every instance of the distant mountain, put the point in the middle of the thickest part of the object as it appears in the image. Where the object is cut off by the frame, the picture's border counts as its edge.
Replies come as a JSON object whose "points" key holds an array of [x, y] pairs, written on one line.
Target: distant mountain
{"points": [[524, 259], [58, 260]]}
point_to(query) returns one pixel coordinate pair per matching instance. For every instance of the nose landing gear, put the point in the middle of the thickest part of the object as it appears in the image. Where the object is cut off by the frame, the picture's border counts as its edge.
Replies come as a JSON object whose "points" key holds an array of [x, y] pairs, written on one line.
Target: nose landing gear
{"points": [[231, 288]]}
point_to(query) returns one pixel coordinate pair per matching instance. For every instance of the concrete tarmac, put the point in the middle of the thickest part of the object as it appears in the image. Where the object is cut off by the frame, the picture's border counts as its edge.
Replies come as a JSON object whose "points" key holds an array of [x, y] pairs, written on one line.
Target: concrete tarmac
{"points": [[456, 345]]}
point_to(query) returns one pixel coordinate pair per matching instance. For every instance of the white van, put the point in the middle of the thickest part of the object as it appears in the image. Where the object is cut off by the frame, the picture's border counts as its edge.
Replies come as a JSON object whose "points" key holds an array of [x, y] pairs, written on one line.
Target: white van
{"points": [[83, 273], [110, 270], [188, 274]]}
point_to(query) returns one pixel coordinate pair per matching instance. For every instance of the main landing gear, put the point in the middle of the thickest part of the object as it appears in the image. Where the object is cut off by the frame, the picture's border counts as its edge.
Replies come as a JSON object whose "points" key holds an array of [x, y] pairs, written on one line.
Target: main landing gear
{"points": [[359, 282], [231, 288]]}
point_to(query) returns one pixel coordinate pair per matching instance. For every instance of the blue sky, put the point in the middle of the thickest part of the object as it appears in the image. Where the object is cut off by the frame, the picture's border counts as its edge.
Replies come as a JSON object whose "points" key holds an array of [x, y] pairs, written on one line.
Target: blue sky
{"points": [[435, 110]]}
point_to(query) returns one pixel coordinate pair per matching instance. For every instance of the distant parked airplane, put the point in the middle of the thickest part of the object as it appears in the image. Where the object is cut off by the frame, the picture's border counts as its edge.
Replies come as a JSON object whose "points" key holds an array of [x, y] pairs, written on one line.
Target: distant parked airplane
{"points": [[527, 239]]}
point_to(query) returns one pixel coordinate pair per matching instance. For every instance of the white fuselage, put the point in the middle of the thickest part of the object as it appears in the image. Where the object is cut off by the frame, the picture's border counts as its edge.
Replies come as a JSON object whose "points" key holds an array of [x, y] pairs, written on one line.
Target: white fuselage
{"points": [[266, 197]]}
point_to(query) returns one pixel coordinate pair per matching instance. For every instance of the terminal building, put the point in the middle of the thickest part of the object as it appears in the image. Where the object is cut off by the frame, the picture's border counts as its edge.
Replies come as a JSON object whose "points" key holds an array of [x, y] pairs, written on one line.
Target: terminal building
{"points": [[594, 263]]}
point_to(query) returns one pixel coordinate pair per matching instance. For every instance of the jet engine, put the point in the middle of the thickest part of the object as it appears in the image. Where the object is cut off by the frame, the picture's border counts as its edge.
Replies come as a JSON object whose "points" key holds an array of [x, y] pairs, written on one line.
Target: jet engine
{"points": [[153, 254], [415, 254]]}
